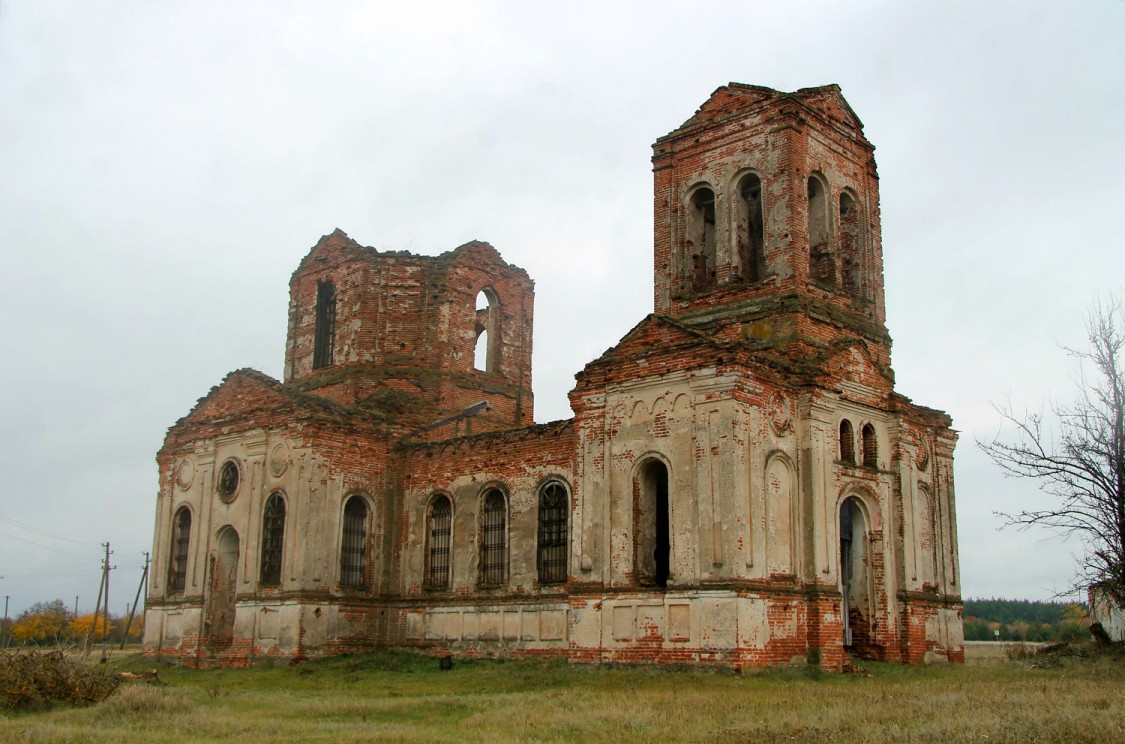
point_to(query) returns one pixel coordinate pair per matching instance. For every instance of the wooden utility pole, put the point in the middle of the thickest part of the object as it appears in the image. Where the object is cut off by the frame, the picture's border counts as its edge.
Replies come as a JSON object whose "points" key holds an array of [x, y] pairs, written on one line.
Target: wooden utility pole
{"points": [[92, 636], [129, 623], [105, 611]]}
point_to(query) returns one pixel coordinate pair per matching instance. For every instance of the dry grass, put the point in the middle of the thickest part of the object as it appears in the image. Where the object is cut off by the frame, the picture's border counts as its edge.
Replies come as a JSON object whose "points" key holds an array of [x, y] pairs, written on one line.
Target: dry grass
{"points": [[401, 697], [140, 702]]}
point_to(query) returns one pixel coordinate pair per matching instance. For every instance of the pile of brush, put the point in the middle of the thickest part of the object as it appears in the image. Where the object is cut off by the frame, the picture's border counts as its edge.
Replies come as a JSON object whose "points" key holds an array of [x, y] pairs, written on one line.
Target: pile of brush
{"points": [[32, 679]]}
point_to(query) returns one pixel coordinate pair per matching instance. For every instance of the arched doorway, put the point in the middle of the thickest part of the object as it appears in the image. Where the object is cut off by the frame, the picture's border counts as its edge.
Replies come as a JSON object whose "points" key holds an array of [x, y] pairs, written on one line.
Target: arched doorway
{"points": [[855, 581], [224, 574], [652, 538]]}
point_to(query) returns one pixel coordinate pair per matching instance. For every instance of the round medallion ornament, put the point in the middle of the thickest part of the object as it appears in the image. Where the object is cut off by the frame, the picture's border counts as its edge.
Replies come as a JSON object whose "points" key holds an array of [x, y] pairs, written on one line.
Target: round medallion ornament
{"points": [[780, 413], [185, 473], [921, 454], [279, 460], [229, 477]]}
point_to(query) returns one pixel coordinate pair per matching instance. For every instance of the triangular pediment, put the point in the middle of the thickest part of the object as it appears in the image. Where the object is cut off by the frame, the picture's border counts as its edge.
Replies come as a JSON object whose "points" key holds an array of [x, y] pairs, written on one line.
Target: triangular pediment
{"points": [[829, 102], [653, 333], [657, 345], [732, 99], [741, 100], [856, 373], [246, 395]]}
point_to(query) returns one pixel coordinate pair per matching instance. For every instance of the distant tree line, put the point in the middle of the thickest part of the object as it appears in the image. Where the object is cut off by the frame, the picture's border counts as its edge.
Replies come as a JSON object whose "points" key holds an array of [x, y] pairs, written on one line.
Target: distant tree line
{"points": [[1024, 620], [51, 624]]}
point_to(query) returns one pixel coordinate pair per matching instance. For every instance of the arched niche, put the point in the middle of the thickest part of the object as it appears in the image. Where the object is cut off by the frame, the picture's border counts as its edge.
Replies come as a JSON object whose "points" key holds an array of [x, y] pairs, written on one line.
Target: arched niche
{"points": [[780, 512], [925, 535]]}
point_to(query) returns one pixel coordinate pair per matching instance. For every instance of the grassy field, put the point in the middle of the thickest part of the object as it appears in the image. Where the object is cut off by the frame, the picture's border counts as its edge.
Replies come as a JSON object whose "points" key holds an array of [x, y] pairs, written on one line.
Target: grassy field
{"points": [[397, 696]]}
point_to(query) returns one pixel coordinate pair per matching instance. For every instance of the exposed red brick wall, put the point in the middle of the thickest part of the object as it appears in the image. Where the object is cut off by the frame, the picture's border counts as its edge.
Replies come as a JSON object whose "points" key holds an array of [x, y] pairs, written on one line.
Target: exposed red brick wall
{"points": [[409, 322], [784, 138]]}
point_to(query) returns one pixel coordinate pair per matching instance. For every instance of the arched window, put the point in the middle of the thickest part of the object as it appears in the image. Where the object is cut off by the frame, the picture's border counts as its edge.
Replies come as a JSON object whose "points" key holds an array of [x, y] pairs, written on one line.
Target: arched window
{"points": [[700, 239], [822, 262], [324, 337], [181, 540], [751, 228], [870, 447], [553, 510], [486, 356], [353, 545], [494, 539], [847, 442], [273, 539], [440, 539], [652, 538], [850, 245]]}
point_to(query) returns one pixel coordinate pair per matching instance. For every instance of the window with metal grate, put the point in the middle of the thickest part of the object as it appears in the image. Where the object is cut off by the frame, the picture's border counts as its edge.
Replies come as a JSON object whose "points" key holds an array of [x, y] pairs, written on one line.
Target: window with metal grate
{"points": [[273, 537], [553, 510], [441, 534], [494, 539], [181, 541], [353, 546]]}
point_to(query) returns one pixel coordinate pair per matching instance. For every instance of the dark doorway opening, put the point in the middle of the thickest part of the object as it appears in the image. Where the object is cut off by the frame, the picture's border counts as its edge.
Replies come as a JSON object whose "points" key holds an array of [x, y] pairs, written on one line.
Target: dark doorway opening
{"points": [[855, 580], [654, 537]]}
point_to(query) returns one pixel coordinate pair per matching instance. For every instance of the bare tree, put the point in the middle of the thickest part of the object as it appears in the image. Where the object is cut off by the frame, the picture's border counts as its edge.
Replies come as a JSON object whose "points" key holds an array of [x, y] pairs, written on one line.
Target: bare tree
{"points": [[1081, 463]]}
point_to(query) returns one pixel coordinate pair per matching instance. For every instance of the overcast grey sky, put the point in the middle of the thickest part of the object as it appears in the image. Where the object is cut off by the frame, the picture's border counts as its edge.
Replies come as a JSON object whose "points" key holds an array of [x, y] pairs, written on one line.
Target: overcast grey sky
{"points": [[165, 165]]}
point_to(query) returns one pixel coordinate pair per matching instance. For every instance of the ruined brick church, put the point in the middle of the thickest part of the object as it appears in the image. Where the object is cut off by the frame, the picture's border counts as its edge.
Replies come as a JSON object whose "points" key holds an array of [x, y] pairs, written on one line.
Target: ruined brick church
{"points": [[740, 483]]}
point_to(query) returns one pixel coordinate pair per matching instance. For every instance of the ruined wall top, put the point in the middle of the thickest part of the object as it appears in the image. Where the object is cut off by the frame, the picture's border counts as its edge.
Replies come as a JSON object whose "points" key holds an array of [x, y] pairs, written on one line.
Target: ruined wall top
{"points": [[452, 329]]}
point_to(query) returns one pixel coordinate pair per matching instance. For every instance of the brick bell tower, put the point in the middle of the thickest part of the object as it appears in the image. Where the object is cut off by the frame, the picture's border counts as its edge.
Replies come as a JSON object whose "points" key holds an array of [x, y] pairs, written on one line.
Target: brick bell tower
{"points": [[766, 209]]}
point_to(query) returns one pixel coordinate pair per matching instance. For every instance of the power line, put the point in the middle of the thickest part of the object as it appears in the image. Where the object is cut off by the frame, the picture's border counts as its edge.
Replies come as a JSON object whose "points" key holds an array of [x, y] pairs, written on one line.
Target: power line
{"points": [[73, 573], [45, 547], [49, 567], [42, 533]]}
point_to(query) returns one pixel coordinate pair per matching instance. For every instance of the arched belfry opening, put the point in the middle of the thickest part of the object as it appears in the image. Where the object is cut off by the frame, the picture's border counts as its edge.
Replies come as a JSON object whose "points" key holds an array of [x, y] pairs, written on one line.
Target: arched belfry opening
{"points": [[224, 583], [324, 335], [700, 239], [652, 534], [851, 270], [855, 577], [485, 353], [750, 228], [822, 261]]}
